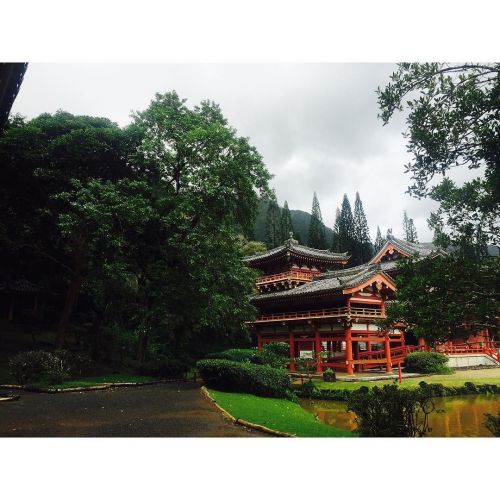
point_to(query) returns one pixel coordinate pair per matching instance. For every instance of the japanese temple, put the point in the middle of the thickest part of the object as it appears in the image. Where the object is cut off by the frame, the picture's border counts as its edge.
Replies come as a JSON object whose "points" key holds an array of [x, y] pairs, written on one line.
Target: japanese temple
{"points": [[306, 298]]}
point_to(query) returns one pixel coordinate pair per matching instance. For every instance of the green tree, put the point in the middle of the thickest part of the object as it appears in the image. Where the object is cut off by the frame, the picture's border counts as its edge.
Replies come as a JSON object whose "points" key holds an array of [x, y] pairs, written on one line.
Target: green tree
{"points": [[286, 223], [409, 229], [452, 122], [379, 241], [206, 183], [453, 113], [273, 230], [346, 227], [363, 249], [47, 161], [316, 235], [444, 298], [253, 247], [335, 238]]}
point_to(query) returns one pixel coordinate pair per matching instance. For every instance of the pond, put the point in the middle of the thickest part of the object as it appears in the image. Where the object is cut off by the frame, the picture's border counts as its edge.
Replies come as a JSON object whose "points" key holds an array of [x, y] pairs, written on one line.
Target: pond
{"points": [[463, 416]]}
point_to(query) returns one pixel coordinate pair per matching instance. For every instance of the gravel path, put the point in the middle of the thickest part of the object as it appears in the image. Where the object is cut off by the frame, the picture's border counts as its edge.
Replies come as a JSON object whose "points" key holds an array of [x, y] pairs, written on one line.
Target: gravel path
{"points": [[165, 410]]}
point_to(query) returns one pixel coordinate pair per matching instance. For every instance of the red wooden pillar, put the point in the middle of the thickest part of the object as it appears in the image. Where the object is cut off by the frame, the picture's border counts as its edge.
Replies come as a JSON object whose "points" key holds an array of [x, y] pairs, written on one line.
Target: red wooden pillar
{"points": [[387, 347], [317, 348], [259, 342], [382, 307], [291, 340], [421, 344], [348, 350]]}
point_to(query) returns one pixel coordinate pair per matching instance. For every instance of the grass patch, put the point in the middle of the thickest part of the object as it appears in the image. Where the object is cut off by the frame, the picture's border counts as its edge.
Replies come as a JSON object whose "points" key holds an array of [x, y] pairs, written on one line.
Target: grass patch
{"points": [[278, 414], [455, 380], [92, 381]]}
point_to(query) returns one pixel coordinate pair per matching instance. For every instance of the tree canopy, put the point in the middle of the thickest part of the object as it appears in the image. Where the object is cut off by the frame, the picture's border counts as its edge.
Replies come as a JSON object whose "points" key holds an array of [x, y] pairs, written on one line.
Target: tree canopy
{"points": [[138, 228]]}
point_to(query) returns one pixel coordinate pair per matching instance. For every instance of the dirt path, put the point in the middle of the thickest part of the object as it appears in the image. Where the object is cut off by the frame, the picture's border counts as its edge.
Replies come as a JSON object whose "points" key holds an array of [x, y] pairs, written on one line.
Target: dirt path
{"points": [[165, 410]]}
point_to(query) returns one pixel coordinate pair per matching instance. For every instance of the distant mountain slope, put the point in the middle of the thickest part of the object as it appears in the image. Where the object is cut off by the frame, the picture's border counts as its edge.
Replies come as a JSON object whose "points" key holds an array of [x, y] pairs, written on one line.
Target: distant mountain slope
{"points": [[300, 221]]}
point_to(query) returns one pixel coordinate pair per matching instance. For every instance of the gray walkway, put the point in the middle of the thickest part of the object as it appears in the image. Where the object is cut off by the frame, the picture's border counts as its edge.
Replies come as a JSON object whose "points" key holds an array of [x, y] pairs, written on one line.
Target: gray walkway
{"points": [[165, 410]]}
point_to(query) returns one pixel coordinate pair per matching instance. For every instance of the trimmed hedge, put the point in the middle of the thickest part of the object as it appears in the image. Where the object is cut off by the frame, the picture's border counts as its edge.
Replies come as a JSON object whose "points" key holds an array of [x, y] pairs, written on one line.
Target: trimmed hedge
{"points": [[239, 355], [437, 390], [233, 376], [426, 362]]}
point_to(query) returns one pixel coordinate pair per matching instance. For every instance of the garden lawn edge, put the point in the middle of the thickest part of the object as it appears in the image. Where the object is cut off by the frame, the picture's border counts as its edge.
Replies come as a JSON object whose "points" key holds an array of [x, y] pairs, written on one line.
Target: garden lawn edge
{"points": [[97, 387], [240, 421]]}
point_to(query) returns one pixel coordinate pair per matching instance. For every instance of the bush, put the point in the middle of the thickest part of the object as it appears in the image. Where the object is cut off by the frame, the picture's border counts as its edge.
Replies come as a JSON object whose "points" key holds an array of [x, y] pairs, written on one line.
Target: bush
{"points": [[164, 367], [38, 366], [245, 377], [329, 375], [426, 362], [275, 354], [239, 355], [492, 423], [391, 412]]}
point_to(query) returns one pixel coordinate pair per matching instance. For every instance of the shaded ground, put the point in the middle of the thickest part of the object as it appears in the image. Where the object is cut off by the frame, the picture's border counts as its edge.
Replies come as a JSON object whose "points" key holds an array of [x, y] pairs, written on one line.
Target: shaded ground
{"points": [[165, 410]]}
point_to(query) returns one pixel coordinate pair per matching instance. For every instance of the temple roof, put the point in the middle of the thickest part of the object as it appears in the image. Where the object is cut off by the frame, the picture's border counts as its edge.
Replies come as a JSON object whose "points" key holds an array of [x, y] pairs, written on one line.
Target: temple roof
{"points": [[333, 281], [293, 247], [410, 249]]}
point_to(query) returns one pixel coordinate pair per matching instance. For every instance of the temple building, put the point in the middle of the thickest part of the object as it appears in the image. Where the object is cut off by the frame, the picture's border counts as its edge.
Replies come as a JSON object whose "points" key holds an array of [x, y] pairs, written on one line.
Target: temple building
{"points": [[307, 299]]}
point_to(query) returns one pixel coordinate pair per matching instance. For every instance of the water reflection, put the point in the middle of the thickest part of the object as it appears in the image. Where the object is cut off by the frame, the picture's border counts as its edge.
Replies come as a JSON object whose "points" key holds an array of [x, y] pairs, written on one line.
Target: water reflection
{"points": [[463, 416]]}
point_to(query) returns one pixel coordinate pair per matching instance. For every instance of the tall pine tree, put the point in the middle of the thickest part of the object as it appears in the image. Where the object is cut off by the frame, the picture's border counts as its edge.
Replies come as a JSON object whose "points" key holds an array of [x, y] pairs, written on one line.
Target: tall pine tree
{"points": [[363, 249], [286, 223], [317, 238], [273, 223], [379, 241], [346, 228], [335, 240], [409, 229]]}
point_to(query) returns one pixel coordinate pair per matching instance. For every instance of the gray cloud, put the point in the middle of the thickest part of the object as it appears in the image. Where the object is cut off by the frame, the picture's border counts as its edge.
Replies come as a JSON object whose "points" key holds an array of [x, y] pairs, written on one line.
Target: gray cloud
{"points": [[316, 125]]}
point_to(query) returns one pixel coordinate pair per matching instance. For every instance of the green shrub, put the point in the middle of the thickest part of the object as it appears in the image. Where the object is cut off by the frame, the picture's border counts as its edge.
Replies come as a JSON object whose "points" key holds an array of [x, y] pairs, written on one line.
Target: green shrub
{"points": [[164, 367], [392, 412], [426, 362], [492, 423], [245, 377], [329, 376], [309, 390], [38, 366], [239, 355], [275, 354], [471, 388]]}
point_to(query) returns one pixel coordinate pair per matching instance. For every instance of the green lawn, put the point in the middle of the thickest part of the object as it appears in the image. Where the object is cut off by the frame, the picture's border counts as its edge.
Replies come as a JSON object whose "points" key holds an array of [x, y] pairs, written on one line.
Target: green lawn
{"points": [[457, 379], [92, 381], [277, 414]]}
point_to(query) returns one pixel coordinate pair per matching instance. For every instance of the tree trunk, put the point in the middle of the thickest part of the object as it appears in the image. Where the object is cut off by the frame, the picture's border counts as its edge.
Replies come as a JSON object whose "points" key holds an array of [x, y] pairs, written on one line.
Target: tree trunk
{"points": [[141, 348], [71, 297]]}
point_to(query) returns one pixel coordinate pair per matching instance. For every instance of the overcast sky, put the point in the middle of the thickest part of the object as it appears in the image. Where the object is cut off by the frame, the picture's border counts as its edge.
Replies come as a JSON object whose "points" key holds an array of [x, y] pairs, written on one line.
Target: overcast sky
{"points": [[316, 125]]}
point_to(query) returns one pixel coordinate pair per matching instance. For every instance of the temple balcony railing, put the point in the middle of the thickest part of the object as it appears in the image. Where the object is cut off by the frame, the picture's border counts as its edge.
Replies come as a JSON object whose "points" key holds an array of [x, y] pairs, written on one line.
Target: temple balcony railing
{"points": [[287, 275], [336, 312]]}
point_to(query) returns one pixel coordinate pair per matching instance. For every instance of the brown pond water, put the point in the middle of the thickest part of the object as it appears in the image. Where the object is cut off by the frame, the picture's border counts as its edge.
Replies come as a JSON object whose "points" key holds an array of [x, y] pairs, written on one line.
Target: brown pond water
{"points": [[463, 415]]}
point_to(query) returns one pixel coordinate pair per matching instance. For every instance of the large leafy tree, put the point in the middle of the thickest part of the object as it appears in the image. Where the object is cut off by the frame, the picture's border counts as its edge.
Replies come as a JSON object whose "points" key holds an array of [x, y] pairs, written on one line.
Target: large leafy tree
{"points": [[316, 235], [48, 163], [362, 245], [446, 297], [206, 183], [453, 119]]}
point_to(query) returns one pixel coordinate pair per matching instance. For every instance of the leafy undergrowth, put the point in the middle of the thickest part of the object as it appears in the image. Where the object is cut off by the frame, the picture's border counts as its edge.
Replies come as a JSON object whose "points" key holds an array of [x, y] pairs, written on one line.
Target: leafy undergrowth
{"points": [[277, 414], [93, 381]]}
